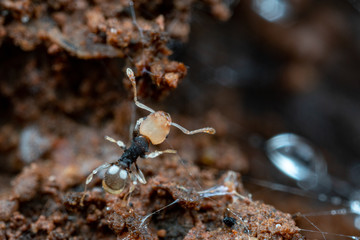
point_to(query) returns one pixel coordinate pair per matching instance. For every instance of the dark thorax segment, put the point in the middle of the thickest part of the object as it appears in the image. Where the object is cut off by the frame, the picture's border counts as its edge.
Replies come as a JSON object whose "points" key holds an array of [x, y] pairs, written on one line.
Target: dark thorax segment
{"points": [[139, 146]]}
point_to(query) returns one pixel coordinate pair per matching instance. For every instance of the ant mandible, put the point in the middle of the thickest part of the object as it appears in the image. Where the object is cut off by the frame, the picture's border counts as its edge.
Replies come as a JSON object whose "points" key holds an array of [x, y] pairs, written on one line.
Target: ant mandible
{"points": [[153, 129]]}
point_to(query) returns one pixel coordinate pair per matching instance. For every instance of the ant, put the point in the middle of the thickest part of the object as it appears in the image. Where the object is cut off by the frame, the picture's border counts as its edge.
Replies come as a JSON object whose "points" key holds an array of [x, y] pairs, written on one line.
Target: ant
{"points": [[153, 129], [229, 221]]}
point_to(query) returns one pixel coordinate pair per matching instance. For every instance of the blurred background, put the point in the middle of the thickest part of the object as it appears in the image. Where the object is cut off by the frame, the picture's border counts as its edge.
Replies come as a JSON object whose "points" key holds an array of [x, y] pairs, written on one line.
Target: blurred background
{"points": [[285, 67]]}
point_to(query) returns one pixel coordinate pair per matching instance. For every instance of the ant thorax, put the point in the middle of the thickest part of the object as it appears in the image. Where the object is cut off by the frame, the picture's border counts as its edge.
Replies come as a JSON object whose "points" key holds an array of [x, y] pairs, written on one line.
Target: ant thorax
{"points": [[139, 146]]}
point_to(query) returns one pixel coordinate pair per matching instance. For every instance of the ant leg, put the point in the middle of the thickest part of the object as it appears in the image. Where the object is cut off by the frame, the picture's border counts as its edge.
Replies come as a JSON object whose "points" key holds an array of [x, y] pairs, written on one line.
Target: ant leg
{"points": [[90, 177], [208, 130], [131, 76], [157, 153], [133, 183], [121, 144], [139, 175]]}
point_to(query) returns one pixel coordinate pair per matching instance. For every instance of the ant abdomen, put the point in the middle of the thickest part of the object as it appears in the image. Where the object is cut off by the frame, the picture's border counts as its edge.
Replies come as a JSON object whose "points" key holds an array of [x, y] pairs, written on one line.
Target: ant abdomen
{"points": [[115, 179]]}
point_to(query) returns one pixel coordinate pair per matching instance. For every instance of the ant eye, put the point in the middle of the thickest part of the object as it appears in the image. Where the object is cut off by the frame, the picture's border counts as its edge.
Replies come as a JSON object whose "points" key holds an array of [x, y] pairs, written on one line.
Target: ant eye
{"points": [[115, 179]]}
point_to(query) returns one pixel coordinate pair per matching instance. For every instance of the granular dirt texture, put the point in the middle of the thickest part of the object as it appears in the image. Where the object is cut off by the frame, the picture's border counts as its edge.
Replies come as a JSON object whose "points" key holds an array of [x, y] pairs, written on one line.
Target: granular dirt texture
{"points": [[138, 32], [44, 203], [43, 200]]}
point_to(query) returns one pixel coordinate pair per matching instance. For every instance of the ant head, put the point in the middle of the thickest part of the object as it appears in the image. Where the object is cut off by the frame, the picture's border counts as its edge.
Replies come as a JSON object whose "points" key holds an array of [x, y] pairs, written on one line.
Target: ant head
{"points": [[115, 179], [156, 127]]}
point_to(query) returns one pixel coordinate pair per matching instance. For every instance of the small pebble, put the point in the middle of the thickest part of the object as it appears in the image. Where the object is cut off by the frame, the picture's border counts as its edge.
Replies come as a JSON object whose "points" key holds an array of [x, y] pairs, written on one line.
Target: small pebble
{"points": [[161, 233]]}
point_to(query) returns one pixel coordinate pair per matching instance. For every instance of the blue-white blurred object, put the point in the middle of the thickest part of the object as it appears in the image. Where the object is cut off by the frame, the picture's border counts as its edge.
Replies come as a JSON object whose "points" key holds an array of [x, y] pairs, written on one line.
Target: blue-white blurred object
{"points": [[355, 202], [296, 158], [33, 144], [271, 10]]}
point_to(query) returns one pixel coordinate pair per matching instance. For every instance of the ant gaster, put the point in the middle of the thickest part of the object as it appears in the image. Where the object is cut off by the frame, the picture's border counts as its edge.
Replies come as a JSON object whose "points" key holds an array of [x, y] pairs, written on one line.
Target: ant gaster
{"points": [[153, 129]]}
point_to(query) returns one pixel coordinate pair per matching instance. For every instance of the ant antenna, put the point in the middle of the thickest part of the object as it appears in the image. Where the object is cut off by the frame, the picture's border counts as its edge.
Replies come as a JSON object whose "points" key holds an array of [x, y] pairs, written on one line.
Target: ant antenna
{"points": [[131, 76], [208, 130]]}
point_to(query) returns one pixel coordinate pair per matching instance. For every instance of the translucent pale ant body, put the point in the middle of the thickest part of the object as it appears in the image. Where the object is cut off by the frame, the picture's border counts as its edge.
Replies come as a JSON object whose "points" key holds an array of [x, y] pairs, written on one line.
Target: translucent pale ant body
{"points": [[153, 129]]}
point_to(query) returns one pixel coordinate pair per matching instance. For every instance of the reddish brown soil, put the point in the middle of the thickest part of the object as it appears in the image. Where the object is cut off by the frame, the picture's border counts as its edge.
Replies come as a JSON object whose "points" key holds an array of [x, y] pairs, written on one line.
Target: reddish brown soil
{"points": [[60, 94]]}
